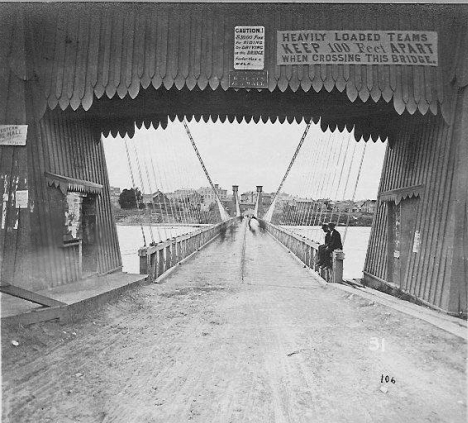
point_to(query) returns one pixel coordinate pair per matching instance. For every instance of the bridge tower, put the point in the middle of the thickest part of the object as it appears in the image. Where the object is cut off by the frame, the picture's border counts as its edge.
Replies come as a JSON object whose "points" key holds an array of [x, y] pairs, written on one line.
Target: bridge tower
{"points": [[235, 199], [259, 206]]}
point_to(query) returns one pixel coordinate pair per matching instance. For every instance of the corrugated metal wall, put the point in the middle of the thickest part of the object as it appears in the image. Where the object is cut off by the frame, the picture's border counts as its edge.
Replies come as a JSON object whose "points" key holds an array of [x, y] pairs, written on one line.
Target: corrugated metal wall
{"points": [[424, 153], [72, 149]]}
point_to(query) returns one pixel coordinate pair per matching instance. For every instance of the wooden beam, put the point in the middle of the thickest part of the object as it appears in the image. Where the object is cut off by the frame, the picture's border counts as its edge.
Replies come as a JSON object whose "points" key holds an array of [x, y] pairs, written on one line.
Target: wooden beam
{"points": [[33, 297]]}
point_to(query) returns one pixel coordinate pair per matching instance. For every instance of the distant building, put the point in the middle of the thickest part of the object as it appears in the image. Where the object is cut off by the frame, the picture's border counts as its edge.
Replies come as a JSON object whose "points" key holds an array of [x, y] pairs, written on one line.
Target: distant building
{"points": [[267, 199], [115, 195], [209, 195], [222, 193], [161, 201], [304, 205], [193, 198], [304, 201], [369, 206], [248, 197], [180, 193], [346, 206], [147, 200]]}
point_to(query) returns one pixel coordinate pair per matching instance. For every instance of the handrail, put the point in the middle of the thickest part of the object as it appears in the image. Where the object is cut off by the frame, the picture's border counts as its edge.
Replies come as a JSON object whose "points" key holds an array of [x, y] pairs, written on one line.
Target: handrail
{"points": [[306, 250], [157, 259]]}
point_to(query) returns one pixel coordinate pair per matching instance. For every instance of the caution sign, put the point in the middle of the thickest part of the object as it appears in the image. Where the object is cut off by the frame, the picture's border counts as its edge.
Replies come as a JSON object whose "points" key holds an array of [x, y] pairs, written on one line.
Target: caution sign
{"points": [[357, 47], [249, 47], [13, 134]]}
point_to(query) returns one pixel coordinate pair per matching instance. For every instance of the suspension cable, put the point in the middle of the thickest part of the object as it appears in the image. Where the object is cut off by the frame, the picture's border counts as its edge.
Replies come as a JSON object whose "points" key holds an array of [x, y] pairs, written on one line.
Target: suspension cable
{"points": [[314, 173], [222, 210], [311, 158], [321, 184], [327, 179], [355, 188], [150, 185], [298, 148], [166, 199], [161, 192], [335, 173], [142, 187], [341, 175], [134, 190], [347, 180], [177, 210]]}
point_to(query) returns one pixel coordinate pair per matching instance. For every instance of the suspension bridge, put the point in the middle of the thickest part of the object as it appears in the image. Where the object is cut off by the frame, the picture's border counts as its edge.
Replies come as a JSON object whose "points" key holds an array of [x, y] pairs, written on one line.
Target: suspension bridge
{"points": [[327, 155]]}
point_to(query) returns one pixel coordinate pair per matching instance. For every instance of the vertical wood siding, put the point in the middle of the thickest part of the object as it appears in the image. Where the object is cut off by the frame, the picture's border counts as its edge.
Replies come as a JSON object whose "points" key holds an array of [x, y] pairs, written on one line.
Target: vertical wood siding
{"points": [[424, 153], [84, 51]]}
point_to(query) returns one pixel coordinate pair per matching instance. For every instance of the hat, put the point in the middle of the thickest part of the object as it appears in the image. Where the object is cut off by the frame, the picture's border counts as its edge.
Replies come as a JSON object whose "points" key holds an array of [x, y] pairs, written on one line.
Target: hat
{"points": [[331, 225]]}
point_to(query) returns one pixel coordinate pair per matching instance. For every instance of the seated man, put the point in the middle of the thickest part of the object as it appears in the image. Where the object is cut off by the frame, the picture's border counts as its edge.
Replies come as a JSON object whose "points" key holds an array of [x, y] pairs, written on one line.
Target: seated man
{"points": [[321, 253], [334, 243]]}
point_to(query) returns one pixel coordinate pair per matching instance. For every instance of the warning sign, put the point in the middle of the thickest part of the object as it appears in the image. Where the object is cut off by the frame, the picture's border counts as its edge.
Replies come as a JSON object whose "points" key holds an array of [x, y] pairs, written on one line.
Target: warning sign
{"points": [[249, 47], [357, 47]]}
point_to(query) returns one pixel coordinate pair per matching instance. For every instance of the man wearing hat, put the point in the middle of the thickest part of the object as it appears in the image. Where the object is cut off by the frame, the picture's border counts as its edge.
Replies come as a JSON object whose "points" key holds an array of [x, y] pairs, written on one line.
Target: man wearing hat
{"points": [[321, 254], [334, 243]]}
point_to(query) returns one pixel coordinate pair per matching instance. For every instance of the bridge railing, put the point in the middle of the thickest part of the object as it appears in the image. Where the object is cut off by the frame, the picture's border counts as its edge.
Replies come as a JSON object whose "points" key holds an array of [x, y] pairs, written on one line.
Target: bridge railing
{"points": [[306, 251], [158, 259]]}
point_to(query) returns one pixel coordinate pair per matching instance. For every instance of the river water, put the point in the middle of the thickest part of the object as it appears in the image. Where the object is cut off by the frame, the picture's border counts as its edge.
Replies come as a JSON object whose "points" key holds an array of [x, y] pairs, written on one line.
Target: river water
{"points": [[131, 239]]}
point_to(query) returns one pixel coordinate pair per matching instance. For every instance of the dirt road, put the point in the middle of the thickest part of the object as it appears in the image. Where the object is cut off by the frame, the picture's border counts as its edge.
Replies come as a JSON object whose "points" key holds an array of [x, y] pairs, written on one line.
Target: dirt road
{"points": [[239, 333]]}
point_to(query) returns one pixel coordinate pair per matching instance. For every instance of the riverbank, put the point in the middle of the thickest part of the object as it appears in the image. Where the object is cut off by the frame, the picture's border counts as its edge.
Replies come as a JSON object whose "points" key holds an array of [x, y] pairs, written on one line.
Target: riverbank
{"points": [[147, 217]]}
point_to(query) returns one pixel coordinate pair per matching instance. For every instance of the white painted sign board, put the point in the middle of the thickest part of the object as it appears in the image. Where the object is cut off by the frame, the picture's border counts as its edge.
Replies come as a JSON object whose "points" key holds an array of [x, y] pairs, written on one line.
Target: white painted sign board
{"points": [[13, 135], [308, 47], [249, 47]]}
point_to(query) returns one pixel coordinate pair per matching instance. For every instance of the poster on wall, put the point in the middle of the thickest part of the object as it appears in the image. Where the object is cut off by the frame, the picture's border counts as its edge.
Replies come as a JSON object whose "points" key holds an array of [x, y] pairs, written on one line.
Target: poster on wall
{"points": [[73, 216], [22, 199], [310, 47], [249, 47], [416, 242]]}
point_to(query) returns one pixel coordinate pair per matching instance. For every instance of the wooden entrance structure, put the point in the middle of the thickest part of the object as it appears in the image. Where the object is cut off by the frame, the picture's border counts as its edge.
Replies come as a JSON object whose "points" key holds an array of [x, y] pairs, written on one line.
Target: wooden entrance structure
{"points": [[72, 72]]}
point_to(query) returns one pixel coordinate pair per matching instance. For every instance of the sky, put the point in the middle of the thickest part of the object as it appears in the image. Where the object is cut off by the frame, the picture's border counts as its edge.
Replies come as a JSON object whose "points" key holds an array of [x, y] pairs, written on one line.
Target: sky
{"points": [[246, 155]]}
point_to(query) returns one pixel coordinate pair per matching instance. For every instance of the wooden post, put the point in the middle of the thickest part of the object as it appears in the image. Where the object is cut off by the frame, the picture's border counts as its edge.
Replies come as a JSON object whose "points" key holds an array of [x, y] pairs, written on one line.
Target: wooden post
{"points": [[174, 253], [160, 263], [168, 258], [337, 274], [177, 249], [142, 253], [183, 249], [150, 263]]}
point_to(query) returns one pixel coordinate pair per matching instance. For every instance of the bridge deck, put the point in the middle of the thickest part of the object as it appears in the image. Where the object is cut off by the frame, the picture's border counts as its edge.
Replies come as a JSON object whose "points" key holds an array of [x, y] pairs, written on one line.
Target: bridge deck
{"points": [[239, 333]]}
